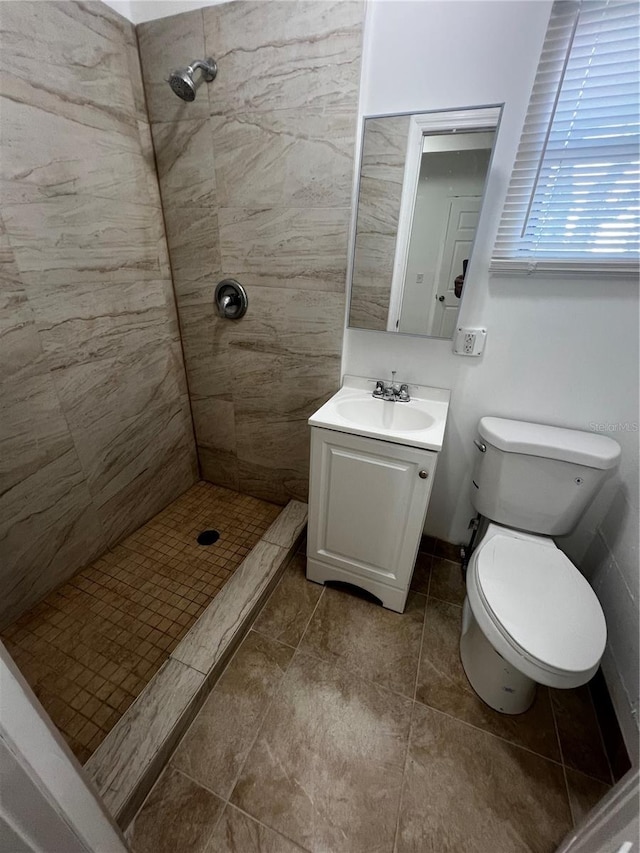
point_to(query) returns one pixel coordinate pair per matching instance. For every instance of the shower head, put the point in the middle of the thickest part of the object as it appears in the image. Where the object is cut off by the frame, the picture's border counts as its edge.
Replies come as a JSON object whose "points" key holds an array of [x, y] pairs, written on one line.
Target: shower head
{"points": [[182, 82]]}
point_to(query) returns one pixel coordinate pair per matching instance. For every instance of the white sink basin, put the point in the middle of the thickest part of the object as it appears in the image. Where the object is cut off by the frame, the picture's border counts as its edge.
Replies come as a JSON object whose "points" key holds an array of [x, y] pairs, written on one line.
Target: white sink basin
{"points": [[394, 416], [419, 423]]}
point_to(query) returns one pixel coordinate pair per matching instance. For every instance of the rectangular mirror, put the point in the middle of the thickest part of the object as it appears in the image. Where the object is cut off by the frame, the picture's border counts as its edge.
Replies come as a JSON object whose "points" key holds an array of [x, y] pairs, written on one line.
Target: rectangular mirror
{"points": [[422, 181]]}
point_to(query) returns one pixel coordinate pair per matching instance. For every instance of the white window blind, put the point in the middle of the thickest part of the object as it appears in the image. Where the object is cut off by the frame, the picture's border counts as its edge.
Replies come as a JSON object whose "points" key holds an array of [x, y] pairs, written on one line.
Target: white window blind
{"points": [[573, 200]]}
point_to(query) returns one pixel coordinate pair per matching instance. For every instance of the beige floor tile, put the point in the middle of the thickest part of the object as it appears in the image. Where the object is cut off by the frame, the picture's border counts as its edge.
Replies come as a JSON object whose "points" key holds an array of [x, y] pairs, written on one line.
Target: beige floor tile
{"points": [[215, 747], [239, 833], [447, 550], [446, 581], [288, 610], [177, 816], [580, 740], [466, 790], [379, 644], [442, 684], [421, 573], [584, 793], [327, 766], [427, 544]]}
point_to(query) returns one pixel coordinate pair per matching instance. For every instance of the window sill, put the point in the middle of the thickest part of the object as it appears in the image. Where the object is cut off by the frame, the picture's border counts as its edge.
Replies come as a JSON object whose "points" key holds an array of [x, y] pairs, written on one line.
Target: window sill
{"points": [[575, 268]]}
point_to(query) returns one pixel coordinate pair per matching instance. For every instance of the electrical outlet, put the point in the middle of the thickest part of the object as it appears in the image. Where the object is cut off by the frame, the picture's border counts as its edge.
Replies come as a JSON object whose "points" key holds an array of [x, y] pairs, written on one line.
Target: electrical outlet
{"points": [[469, 341]]}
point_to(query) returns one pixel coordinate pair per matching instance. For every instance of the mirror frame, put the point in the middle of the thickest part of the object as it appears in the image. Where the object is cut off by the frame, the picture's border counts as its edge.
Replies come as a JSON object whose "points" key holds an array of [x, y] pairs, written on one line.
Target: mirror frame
{"points": [[464, 119]]}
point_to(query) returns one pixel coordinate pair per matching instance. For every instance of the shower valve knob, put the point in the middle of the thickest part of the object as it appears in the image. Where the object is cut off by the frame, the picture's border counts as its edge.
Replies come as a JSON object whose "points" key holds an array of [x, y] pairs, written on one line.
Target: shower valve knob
{"points": [[231, 299]]}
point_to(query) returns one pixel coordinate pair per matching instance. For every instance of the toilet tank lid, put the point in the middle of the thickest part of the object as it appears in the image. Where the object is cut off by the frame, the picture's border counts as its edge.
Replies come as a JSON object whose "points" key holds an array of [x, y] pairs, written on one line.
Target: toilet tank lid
{"points": [[568, 445]]}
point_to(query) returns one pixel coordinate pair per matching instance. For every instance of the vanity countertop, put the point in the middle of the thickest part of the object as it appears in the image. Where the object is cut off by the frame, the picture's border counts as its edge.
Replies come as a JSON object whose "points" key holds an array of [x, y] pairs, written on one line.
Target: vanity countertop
{"points": [[418, 423]]}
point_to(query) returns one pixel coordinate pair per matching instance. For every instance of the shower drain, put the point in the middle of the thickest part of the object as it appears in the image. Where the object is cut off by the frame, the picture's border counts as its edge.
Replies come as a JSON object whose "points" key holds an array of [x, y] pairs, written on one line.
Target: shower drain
{"points": [[208, 537]]}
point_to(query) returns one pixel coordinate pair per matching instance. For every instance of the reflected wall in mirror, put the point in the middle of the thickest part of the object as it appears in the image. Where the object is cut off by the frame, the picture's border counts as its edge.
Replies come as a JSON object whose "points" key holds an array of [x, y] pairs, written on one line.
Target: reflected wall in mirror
{"points": [[422, 180]]}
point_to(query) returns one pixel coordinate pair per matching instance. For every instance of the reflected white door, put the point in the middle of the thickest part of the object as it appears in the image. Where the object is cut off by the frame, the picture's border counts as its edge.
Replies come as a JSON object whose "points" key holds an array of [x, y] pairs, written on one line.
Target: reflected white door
{"points": [[462, 221]]}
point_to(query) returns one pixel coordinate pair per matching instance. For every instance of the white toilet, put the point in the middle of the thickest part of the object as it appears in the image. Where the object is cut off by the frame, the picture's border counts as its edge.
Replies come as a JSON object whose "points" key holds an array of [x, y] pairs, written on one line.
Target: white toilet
{"points": [[530, 616]]}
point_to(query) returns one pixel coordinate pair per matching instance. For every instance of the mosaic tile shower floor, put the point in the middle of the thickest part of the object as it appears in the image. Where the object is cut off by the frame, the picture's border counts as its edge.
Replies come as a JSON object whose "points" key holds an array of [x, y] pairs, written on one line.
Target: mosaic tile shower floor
{"points": [[90, 647]]}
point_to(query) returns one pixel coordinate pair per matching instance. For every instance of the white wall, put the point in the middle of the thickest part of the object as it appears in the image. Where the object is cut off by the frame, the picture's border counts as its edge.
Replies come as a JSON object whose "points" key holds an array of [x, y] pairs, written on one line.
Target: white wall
{"points": [[561, 351], [139, 11]]}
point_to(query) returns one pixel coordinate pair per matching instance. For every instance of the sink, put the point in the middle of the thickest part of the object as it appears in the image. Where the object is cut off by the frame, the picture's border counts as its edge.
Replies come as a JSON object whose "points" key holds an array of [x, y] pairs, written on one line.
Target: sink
{"points": [[418, 423], [381, 414]]}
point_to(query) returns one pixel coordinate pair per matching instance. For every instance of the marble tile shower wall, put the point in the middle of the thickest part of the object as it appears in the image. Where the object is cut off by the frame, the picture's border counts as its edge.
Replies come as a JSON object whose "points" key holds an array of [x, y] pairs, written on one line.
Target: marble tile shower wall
{"points": [[381, 176], [95, 432], [256, 178]]}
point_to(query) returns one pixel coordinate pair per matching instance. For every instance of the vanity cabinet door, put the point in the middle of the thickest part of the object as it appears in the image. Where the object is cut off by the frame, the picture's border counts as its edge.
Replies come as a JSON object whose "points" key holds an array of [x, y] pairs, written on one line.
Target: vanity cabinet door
{"points": [[367, 504]]}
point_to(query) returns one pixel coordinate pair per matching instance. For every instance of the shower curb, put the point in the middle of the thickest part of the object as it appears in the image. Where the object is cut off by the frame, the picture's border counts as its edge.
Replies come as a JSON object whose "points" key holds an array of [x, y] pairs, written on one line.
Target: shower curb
{"points": [[129, 760]]}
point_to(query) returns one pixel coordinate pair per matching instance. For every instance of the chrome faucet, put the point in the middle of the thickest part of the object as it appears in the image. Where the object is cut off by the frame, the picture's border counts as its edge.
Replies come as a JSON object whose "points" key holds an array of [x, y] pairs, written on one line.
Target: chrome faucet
{"points": [[392, 393]]}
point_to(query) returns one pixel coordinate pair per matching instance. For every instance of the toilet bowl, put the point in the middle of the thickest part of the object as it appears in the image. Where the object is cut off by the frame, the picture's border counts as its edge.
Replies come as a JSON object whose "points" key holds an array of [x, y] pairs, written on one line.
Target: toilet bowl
{"points": [[529, 617]]}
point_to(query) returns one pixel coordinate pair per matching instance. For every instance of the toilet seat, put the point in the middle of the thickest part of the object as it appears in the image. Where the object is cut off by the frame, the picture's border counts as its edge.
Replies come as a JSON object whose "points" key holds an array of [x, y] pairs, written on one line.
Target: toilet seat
{"points": [[549, 624]]}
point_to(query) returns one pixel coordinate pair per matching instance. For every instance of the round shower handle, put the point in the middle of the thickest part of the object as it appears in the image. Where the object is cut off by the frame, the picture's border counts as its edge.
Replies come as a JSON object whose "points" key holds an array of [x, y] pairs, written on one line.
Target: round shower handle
{"points": [[231, 299]]}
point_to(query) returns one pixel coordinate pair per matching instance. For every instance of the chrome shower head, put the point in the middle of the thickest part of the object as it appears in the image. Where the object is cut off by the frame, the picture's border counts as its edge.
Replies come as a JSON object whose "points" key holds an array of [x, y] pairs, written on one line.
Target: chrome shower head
{"points": [[182, 82]]}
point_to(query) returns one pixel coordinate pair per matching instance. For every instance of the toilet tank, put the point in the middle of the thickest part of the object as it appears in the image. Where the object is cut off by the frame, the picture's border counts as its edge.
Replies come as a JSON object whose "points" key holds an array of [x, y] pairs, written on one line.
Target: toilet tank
{"points": [[538, 478]]}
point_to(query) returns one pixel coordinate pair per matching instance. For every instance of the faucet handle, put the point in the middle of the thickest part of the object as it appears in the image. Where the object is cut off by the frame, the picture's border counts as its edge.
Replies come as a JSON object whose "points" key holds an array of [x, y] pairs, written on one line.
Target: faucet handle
{"points": [[403, 394], [378, 391]]}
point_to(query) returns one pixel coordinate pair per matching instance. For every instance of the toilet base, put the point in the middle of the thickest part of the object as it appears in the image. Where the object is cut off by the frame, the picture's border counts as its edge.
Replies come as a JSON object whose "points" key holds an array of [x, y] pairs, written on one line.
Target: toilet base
{"points": [[503, 687]]}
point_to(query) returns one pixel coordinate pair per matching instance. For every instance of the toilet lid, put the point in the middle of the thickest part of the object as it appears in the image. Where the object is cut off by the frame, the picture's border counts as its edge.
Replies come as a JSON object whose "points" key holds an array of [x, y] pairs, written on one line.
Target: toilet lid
{"points": [[541, 600]]}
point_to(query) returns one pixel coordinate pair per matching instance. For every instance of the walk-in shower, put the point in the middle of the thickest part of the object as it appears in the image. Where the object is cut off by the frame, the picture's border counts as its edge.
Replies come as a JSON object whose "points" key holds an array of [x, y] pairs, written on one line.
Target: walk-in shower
{"points": [[182, 80]]}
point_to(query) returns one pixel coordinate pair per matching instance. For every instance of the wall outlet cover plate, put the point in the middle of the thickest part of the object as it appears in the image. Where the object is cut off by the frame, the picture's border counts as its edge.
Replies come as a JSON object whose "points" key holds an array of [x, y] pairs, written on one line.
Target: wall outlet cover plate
{"points": [[469, 341]]}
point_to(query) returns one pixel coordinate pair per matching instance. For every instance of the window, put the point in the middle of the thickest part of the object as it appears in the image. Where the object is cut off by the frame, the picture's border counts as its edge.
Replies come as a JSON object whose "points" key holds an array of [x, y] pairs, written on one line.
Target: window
{"points": [[573, 200]]}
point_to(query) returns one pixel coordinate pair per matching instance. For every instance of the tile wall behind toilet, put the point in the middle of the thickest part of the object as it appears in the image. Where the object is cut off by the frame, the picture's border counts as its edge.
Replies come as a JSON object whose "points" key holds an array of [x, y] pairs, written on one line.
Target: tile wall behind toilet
{"points": [[95, 433], [256, 181]]}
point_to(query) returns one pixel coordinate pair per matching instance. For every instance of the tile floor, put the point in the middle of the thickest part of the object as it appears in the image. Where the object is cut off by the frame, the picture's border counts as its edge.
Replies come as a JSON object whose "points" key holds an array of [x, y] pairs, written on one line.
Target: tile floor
{"points": [[341, 726], [90, 647]]}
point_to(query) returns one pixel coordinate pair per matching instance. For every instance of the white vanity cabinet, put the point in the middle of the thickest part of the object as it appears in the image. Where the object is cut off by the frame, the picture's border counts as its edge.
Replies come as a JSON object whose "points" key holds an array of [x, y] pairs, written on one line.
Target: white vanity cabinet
{"points": [[367, 504]]}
